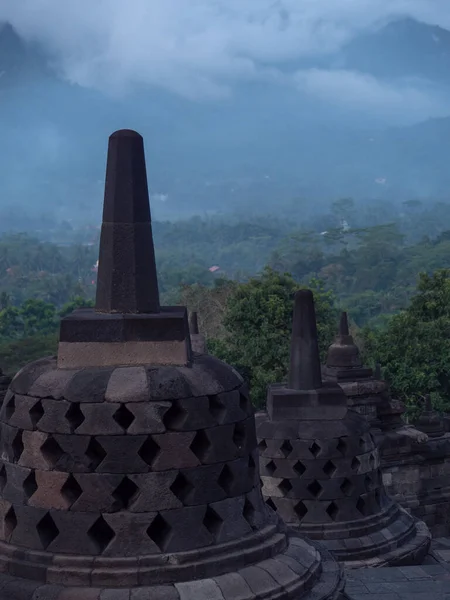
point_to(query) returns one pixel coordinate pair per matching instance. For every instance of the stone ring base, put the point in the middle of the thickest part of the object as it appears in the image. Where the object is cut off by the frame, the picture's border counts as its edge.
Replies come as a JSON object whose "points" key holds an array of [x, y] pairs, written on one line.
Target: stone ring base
{"points": [[305, 570]]}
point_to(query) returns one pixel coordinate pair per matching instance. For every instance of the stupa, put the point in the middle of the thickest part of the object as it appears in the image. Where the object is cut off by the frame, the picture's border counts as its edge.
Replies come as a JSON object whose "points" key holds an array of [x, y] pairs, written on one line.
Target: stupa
{"points": [[128, 462], [430, 421], [344, 366], [320, 466]]}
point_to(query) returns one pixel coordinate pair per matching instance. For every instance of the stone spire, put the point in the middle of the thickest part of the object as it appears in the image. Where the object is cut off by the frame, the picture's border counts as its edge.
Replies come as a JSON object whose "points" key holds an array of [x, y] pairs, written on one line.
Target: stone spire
{"points": [[304, 371], [127, 280], [129, 465], [320, 466], [128, 325]]}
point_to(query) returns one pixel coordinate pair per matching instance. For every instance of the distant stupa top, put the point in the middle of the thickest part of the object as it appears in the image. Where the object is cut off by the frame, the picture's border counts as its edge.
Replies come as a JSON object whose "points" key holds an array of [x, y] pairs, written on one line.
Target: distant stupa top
{"points": [[127, 281], [344, 353]]}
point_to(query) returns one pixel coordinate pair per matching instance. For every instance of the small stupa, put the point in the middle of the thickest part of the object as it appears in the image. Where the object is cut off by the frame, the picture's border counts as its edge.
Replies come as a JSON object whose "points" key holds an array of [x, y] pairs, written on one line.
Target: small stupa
{"points": [[320, 466], [344, 365], [430, 421], [129, 464]]}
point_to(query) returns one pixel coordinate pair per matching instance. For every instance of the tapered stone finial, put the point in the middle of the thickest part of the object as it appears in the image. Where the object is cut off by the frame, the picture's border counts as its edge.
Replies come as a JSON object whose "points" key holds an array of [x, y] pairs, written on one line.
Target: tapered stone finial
{"points": [[343, 324], [305, 371], [193, 323], [127, 281]]}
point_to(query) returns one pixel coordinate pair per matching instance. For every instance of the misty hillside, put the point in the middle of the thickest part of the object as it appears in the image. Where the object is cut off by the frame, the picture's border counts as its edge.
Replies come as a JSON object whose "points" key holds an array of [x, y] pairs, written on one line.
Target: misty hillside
{"points": [[262, 146]]}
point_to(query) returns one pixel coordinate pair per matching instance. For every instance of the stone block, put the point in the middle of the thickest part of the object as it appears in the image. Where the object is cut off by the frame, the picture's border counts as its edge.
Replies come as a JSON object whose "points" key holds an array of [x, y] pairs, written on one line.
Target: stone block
{"points": [[128, 384], [205, 589], [234, 587], [148, 417], [88, 385]]}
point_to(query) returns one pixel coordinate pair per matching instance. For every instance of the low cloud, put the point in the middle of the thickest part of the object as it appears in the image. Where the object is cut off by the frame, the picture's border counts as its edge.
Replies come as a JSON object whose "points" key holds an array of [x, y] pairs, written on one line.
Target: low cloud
{"points": [[201, 48]]}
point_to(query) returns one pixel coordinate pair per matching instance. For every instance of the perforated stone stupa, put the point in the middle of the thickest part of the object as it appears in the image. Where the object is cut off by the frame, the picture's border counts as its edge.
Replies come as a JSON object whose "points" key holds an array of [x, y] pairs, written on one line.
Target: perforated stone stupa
{"points": [[129, 465], [320, 467]]}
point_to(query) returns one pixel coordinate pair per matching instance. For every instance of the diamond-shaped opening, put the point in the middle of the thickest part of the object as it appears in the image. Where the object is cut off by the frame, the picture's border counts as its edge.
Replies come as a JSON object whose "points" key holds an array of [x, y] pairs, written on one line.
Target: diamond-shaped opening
{"points": [[3, 478], [262, 446], [212, 521], [251, 466], [356, 463], [17, 446], [149, 450], [181, 487], [101, 534], [159, 532], [123, 417], [95, 453], [226, 479], [75, 416], [286, 448], [361, 506], [249, 512], [347, 487], [47, 530], [372, 461], [243, 402], [342, 447], [285, 486], [51, 451], [36, 413], [217, 409], [329, 468], [315, 488], [71, 490], [124, 494], [271, 467], [315, 449], [332, 511], [200, 444], [271, 504], [10, 523], [378, 498], [362, 442], [10, 408], [30, 485], [368, 483], [175, 417], [299, 468], [239, 435], [300, 510]]}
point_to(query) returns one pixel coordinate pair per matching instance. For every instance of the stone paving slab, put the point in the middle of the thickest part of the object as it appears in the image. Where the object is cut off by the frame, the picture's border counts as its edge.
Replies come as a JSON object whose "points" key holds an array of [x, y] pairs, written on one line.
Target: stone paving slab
{"points": [[425, 582]]}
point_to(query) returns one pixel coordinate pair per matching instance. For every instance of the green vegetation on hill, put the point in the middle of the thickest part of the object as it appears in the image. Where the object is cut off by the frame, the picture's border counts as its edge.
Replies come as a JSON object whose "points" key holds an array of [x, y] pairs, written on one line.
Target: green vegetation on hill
{"points": [[350, 257]]}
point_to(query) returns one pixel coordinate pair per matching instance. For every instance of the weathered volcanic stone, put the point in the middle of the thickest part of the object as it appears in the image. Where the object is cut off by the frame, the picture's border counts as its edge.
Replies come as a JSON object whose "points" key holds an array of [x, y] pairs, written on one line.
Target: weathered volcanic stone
{"points": [[415, 461], [320, 466], [198, 341], [344, 366], [136, 479]]}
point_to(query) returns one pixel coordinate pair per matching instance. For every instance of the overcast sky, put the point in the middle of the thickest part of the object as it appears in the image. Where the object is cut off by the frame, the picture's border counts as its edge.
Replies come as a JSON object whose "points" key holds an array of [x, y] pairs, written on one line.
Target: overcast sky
{"points": [[200, 48]]}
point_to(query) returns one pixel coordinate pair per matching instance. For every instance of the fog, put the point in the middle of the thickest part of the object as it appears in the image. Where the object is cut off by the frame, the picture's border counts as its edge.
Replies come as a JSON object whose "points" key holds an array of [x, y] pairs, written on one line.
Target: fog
{"points": [[242, 103]]}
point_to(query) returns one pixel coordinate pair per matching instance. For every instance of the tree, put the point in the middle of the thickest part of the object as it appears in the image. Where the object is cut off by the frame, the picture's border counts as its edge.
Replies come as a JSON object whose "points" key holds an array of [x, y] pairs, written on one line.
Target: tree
{"points": [[414, 348], [258, 322]]}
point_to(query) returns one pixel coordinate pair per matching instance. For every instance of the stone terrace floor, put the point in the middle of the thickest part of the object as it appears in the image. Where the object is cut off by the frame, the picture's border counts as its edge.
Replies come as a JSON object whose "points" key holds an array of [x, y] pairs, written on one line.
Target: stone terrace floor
{"points": [[430, 581]]}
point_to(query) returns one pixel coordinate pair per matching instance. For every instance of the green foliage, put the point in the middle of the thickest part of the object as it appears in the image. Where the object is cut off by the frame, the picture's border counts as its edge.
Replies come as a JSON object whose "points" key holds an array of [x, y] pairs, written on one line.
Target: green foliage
{"points": [[15, 354], [258, 324], [414, 348]]}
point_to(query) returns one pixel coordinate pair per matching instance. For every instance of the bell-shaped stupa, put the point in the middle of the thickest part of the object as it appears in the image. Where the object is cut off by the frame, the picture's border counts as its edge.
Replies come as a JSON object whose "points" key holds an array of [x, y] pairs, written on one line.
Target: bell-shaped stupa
{"points": [[320, 466], [129, 464]]}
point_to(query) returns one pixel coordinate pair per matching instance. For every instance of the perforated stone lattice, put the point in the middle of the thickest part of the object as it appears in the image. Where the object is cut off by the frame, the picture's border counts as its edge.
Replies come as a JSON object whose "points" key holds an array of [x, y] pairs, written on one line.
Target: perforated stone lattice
{"points": [[322, 479], [86, 462]]}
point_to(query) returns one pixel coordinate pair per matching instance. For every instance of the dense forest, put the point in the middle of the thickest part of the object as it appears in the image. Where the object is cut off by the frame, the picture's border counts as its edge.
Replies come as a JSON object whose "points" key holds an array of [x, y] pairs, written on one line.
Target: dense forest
{"points": [[385, 264]]}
